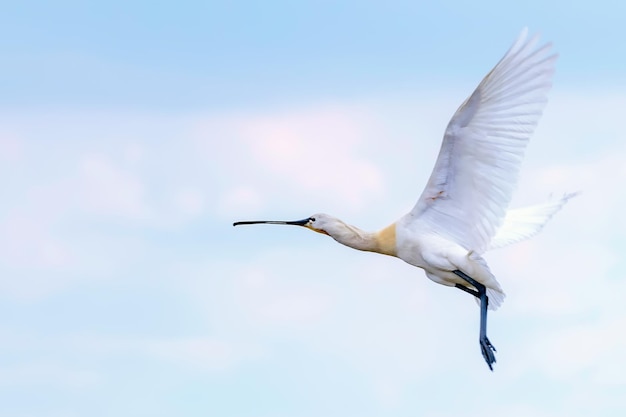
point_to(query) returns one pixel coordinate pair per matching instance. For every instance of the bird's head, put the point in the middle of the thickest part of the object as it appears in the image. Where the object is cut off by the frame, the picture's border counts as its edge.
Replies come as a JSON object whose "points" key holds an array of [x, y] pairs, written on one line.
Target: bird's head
{"points": [[320, 223]]}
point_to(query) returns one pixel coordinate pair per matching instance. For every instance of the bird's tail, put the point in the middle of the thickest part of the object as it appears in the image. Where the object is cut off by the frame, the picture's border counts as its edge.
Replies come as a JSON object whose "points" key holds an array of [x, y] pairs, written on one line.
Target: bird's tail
{"points": [[523, 223], [494, 290], [496, 298]]}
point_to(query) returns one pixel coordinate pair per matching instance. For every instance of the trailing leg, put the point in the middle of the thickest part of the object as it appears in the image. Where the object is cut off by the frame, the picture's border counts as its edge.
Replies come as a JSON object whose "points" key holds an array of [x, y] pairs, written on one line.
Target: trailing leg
{"points": [[467, 290], [486, 347]]}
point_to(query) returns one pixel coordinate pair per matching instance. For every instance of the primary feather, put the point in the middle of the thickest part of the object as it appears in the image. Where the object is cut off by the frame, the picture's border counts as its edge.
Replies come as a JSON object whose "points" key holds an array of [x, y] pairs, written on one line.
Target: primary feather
{"points": [[477, 168]]}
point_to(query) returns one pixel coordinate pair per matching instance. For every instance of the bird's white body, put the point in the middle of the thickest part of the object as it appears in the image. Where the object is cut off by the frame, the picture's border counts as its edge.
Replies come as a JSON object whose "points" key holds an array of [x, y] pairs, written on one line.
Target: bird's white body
{"points": [[438, 256], [464, 208]]}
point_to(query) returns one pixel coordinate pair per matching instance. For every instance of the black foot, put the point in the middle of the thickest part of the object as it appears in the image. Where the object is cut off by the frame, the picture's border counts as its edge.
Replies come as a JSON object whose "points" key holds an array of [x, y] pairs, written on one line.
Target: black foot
{"points": [[487, 350]]}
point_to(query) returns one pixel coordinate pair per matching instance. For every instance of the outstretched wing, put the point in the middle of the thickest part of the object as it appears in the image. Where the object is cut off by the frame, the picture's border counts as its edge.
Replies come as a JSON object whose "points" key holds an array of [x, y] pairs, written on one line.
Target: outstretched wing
{"points": [[471, 185]]}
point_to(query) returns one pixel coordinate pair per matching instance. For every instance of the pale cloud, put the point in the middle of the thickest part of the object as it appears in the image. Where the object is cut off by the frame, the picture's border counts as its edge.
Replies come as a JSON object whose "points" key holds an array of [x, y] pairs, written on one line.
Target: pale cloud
{"points": [[48, 373], [240, 201], [553, 277], [34, 255], [205, 353], [292, 155], [26, 240], [190, 201], [518, 408], [388, 392], [598, 176], [11, 147], [567, 268], [199, 353], [37, 240], [317, 150], [107, 189], [592, 348], [133, 153], [276, 304]]}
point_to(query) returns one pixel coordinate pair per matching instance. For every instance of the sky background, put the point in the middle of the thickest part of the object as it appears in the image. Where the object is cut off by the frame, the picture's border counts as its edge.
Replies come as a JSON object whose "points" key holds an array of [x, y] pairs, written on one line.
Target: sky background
{"points": [[132, 135]]}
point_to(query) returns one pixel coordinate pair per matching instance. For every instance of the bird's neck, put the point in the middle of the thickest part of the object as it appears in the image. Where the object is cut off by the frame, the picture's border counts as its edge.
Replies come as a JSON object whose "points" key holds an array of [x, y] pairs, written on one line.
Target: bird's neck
{"points": [[383, 241]]}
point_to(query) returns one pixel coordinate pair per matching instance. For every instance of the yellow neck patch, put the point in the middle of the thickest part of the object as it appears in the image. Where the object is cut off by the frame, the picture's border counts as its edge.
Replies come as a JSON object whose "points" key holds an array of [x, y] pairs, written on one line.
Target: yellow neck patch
{"points": [[386, 240]]}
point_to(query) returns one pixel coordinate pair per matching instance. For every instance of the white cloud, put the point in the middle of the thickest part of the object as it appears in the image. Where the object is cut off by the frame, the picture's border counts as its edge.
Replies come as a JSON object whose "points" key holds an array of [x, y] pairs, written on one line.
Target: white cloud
{"points": [[240, 201], [592, 348], [204, 353], [47, 373], [11, 147], [26, 240], [293, 156], [107, 189], [133, 153], [317, 150], [277, 303], [568, 267], [198, 353], [190, 201]]}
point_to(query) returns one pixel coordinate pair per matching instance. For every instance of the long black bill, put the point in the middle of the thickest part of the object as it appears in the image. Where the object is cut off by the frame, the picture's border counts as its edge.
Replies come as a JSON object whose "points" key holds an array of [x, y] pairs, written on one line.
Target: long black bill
{"points": [[293, 223]]}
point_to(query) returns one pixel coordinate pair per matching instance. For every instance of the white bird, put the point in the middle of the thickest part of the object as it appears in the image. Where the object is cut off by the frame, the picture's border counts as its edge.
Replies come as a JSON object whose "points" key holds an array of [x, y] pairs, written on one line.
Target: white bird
{"points": [[462, 212]]}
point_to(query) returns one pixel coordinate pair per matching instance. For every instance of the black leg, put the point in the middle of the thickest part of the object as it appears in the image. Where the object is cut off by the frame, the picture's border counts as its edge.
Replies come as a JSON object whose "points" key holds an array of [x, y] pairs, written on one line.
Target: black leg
{"points": [[486, 347], [467, 290]]}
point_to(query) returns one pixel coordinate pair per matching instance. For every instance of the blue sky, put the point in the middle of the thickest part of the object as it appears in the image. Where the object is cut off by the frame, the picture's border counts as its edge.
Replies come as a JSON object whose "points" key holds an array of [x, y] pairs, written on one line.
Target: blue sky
{"points": [[132, 135], [207, 55]]}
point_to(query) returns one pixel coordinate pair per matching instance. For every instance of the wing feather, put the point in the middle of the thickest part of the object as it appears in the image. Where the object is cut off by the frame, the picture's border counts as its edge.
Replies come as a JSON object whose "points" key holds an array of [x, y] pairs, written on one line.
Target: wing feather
{"points": [[523, 223], [470, 188]]}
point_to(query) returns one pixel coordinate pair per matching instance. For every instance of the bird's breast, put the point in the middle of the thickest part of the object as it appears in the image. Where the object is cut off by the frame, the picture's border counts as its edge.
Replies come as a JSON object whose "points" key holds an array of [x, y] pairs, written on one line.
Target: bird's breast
{"points": [[410, 245]]}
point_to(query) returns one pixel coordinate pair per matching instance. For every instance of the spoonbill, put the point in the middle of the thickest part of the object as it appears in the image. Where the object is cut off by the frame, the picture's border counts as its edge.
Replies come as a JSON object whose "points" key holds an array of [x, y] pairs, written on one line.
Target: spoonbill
{"points": [[464, 209]]}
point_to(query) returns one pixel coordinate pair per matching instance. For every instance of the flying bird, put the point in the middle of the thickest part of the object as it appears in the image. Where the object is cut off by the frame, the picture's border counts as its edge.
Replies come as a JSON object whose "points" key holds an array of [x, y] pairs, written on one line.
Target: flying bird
{"points": [[464, 209]]}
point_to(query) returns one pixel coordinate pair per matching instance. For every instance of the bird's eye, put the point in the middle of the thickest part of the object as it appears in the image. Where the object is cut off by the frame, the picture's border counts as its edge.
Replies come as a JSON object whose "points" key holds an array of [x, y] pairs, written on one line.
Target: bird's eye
{"points": [[312, 219]]}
